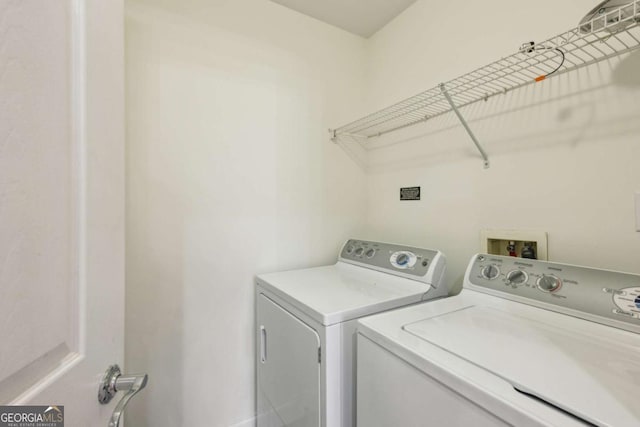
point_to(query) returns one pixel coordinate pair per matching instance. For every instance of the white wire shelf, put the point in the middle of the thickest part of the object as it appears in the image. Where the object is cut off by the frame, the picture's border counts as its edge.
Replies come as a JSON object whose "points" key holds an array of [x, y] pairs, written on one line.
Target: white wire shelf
{"points": [[606, 36]]}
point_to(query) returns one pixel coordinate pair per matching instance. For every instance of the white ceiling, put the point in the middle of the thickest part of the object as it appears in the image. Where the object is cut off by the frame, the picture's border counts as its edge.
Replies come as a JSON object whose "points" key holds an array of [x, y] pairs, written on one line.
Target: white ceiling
{"points": [[362, 17]]}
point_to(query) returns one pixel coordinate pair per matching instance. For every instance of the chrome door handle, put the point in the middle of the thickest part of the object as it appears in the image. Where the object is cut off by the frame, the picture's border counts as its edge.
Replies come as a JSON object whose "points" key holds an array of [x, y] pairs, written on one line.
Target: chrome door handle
{"points": [[113, 382], [263, 344]]}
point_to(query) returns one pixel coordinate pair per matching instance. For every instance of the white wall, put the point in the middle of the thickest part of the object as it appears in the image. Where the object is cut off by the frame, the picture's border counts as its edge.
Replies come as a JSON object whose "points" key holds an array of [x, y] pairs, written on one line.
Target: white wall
{"points": [[564, 152], [230, 173]]}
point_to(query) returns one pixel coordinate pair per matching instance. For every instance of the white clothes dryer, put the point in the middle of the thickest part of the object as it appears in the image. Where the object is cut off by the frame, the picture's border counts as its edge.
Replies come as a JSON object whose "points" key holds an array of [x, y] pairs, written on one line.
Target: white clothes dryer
{"points": [[526, 343], [306, 321]]}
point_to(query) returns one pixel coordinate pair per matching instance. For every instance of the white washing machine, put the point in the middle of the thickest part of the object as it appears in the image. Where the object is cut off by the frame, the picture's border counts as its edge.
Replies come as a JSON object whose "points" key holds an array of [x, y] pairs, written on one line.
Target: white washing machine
{"points": [[526, 343], [306, 320]]}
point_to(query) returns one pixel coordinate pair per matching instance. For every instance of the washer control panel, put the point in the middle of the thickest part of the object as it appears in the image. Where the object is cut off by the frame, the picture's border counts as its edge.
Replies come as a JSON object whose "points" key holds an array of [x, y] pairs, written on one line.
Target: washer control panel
{"points": [[391, 258], [602, 293]]}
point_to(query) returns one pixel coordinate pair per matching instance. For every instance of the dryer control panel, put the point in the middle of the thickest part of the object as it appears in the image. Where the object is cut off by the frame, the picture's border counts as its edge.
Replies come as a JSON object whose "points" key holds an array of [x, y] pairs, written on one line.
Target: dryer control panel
{"points": [[412, 262], [598, 295]]}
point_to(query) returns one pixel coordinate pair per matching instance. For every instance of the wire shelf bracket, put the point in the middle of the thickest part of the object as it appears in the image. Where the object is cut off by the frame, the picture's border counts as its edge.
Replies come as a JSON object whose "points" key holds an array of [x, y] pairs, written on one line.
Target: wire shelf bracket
{"points": [[607, 35], [443, 88]]}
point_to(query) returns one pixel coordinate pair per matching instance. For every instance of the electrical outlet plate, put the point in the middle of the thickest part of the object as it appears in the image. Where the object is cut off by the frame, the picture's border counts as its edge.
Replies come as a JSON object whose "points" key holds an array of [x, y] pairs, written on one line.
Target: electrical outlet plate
{"points": [[495, 242]]}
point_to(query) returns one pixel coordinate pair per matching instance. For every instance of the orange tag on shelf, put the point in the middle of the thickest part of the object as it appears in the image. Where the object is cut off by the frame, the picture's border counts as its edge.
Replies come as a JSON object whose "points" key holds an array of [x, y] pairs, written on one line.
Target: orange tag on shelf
{"points": [[540, 78]]}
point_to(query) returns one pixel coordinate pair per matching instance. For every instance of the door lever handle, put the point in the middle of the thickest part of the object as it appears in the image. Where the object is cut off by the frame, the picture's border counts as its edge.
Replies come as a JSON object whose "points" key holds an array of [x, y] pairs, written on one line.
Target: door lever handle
{"points": [[113, 382]]}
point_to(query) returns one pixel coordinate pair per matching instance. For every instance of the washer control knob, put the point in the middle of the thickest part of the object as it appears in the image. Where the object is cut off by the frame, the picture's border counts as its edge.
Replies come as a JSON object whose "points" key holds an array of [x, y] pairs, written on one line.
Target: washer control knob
{"points": [[490, 272], [370, 253], [549, 283], [359, 251], [517, 277], [350, 249]]}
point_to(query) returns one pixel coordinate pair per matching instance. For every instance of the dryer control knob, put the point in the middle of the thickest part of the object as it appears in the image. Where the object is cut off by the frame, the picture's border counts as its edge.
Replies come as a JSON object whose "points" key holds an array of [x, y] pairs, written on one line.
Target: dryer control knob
{"points": [[359, 251], [549, 283], [490, 272], [403, 259]]}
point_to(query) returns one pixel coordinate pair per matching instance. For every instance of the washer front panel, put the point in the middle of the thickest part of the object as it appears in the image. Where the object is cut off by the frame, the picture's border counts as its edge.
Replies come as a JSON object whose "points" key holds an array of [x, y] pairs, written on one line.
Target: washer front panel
{"points": [[607, 294]]}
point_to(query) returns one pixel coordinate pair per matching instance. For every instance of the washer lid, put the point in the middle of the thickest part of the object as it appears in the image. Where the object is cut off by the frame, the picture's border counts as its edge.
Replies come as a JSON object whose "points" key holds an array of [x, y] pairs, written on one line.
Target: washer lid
{"points": [[586, 369], [341, 292]]}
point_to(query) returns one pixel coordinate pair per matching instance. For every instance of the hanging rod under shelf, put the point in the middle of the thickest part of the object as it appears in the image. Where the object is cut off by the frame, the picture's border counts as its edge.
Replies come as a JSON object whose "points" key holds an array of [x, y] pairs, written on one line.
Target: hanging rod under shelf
{"points": [[606, 36]]}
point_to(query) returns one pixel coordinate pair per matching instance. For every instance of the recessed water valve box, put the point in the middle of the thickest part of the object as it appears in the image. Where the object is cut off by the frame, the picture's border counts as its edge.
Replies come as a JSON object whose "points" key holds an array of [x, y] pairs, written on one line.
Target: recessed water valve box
{"points": [[519, 243]]}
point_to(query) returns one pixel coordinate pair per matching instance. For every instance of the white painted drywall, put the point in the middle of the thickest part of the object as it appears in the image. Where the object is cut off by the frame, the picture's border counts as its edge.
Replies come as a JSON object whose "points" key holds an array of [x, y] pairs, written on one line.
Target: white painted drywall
{"points": [[564, 152], [230, 173]]}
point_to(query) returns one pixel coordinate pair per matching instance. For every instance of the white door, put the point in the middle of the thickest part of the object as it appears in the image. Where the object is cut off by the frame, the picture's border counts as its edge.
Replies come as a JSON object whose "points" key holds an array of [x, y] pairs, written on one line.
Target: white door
{"points": [[288, 368], [61, 203]]}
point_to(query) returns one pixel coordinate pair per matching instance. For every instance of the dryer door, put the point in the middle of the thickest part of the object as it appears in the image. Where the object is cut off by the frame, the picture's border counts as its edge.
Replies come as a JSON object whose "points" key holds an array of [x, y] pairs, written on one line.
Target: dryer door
{"points": [[288, 368]]}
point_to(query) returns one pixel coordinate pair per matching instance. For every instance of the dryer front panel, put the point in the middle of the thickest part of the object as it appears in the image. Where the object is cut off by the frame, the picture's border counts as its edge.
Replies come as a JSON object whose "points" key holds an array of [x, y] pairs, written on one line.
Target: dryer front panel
{"points": [[288, 364]]}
